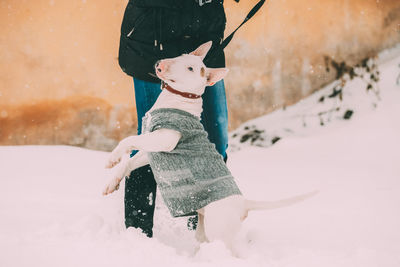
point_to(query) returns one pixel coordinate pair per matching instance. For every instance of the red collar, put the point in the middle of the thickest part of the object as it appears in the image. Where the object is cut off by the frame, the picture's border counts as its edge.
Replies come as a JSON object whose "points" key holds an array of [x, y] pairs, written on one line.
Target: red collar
{"points": [[184, 94]]}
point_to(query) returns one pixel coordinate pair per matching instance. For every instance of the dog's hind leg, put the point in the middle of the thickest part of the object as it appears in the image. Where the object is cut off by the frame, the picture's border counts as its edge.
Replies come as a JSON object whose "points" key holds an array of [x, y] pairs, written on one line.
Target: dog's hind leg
{"points": [[200, 234], [222, 221]]}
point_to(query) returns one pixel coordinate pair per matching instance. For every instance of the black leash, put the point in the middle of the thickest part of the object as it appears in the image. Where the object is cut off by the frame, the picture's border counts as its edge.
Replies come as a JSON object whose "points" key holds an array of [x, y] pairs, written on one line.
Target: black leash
{"points": [[225, 42], [252, 12]]}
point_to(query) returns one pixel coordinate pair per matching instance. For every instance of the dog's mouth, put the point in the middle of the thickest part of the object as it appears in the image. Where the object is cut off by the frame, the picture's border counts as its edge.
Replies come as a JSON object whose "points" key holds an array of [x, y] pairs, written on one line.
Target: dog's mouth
{"points": [[163, 78], [159, 75]]}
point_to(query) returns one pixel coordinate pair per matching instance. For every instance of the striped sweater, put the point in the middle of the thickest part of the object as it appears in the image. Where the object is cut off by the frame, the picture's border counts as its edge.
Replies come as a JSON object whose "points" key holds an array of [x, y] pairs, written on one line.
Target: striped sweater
{"points": [[192, 175]]}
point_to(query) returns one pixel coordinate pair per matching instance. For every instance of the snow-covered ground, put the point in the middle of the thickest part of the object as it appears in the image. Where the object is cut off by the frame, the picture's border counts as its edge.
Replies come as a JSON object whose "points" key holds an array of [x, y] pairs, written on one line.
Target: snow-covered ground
{"points": [[52, 212]]}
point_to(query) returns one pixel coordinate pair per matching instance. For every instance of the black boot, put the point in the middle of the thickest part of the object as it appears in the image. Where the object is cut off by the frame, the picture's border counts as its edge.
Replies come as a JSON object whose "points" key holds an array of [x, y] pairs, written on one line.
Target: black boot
{"points": [[140, 196], [192, 222]]}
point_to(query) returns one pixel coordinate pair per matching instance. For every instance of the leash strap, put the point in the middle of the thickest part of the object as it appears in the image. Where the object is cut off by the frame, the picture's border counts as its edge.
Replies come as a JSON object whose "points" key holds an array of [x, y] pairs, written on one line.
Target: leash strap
{"points": [[252, 12]]}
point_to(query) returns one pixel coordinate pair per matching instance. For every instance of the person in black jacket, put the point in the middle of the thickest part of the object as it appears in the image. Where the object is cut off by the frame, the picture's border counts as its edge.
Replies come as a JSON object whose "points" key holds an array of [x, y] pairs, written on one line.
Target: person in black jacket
{"points": [[156, 29]]}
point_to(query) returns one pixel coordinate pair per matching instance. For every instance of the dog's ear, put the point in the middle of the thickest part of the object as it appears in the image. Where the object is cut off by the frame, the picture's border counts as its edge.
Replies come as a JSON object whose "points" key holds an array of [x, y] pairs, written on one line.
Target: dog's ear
{"points": [[214, 75], [202, 50]]}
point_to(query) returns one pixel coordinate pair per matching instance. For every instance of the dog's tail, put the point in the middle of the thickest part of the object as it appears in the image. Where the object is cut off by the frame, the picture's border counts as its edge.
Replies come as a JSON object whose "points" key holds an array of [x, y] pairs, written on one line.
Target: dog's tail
{"points": [[268, 205]]}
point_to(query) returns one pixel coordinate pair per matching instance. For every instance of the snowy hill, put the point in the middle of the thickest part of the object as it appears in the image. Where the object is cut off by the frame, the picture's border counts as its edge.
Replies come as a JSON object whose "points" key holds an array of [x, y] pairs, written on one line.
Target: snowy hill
{"points": [[358, 91], [53, 214]]}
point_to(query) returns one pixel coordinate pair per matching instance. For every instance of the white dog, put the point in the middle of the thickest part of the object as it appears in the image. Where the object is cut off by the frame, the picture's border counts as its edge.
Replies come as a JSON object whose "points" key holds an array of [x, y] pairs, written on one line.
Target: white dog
{"points": [[184, 81]]}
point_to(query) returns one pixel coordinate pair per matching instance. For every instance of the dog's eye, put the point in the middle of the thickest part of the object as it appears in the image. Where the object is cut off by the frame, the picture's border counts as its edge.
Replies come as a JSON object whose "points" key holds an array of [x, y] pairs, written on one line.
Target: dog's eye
{"points": [[190, 68]]}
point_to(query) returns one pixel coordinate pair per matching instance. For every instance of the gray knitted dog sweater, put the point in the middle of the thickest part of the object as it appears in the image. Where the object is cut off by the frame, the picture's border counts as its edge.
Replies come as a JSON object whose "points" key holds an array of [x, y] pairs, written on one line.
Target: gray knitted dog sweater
{"points": [[192, 175]]}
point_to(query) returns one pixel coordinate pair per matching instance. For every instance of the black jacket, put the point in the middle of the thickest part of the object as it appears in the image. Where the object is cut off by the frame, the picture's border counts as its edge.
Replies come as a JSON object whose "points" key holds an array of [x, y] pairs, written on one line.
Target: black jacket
{"points": [[157, 29]]}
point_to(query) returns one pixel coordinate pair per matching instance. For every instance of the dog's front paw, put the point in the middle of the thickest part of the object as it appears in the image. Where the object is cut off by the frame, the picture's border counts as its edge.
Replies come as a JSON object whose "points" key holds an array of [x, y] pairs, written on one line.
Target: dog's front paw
{"points": [[112, 161], [124, 147], [112, 186], [115, 157], [118, 174]]}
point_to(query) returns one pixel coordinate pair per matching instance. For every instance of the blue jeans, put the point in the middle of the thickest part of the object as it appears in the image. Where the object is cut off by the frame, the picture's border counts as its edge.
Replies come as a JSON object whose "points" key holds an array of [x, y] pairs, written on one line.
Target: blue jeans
{"points": [[140, 188]]}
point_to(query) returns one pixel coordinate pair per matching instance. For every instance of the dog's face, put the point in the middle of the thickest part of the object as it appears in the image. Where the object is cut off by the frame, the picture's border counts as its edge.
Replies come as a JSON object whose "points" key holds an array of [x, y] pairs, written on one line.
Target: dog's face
{"points": [[187, 73]]}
